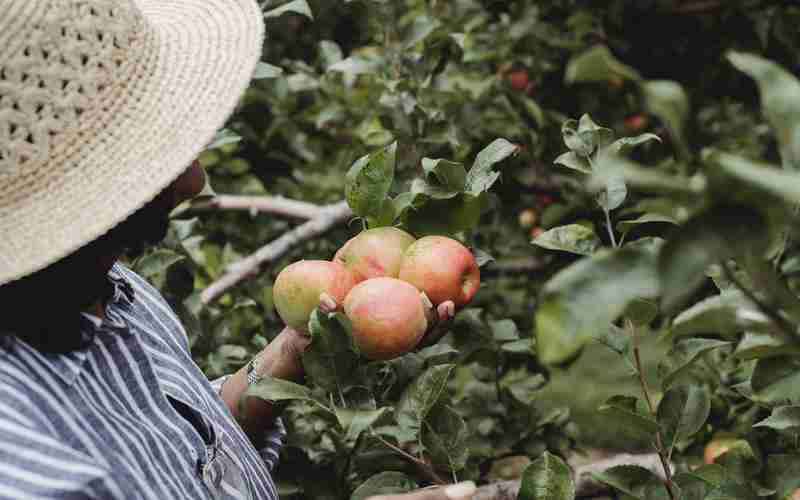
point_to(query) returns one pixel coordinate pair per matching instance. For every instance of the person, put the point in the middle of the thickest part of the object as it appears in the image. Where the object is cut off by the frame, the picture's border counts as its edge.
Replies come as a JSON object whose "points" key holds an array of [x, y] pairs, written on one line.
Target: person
{"points": [[104, 106]]}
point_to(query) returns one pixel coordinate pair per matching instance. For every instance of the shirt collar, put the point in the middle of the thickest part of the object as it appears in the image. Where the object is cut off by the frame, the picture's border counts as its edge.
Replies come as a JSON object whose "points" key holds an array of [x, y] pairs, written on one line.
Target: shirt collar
{"points": [[120, 297]]}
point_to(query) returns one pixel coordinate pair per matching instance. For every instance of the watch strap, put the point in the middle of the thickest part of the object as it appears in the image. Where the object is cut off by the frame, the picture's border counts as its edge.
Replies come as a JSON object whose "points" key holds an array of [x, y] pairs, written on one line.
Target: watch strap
{"points": [[252, 374]]}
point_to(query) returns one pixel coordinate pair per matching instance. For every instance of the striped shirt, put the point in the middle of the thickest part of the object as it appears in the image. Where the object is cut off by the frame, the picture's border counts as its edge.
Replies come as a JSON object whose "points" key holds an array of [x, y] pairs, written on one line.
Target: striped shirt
{"points": [[129, 416]]}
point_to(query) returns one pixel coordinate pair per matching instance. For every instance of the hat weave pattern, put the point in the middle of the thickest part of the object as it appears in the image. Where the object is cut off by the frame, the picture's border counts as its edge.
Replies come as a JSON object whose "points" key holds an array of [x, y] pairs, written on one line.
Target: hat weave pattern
{"points": [[103, 103], [51, 73]]}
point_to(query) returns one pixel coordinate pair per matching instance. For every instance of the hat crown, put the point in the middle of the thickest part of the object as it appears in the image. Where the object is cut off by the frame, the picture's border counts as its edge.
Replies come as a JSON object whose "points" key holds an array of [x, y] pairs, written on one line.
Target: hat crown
{"points": [[59, 60]]}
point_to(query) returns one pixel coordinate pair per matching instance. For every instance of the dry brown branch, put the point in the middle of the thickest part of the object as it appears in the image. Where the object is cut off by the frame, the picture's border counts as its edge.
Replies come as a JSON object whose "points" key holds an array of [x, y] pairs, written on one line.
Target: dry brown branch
{"points": [[250, 266], [584, 484], [255, 204]]}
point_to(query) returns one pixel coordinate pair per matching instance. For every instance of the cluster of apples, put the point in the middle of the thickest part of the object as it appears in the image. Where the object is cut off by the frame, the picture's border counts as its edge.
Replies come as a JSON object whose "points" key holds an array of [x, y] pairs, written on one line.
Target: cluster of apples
{"points": [[389, 284]]}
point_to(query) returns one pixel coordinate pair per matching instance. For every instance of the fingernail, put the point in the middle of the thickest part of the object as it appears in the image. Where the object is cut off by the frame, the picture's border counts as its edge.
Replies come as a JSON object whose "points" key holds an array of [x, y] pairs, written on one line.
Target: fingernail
{"points": [[460, 491]]}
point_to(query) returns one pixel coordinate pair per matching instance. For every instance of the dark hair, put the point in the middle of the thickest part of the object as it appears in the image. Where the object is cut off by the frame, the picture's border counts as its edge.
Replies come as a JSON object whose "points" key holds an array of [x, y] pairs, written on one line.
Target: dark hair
{"points": [[44, 308]]}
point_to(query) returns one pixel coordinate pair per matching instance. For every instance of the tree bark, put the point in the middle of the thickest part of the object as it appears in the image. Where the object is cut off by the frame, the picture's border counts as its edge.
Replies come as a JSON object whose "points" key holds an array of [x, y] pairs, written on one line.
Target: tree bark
{"points": [[254, 204]]}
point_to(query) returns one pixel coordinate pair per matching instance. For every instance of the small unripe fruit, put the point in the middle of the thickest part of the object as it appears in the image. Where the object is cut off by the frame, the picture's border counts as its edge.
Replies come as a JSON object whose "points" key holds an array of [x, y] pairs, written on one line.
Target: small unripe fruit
{"points": [[374, 253], [716, 448], [519, 80], [443, 268], [527, 218], [616, 82], [387, 317], [635, 123], [298, 288], [546, 199]]}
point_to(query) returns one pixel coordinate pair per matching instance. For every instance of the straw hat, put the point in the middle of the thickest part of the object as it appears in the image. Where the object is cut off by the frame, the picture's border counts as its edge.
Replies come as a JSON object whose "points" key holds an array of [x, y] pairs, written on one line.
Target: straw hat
{"points": [[103, 103]]}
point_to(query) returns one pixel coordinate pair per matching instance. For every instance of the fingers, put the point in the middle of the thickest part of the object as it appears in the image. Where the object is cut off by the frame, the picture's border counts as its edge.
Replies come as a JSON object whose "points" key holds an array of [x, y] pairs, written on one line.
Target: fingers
{"points": [[460, 491], [446, 310], [327, 304]]}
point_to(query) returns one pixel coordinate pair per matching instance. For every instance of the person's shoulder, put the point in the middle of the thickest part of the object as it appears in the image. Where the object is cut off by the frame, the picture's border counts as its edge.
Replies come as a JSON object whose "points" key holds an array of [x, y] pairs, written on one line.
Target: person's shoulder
{"points": [[147, 300]]}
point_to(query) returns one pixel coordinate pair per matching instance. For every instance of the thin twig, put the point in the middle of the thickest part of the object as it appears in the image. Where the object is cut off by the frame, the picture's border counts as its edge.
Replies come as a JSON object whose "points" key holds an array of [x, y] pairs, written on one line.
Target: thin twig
{"points": [[662, 455], [610, 227], [422, 465], [772, 314], [250, 266], [254, 204]]}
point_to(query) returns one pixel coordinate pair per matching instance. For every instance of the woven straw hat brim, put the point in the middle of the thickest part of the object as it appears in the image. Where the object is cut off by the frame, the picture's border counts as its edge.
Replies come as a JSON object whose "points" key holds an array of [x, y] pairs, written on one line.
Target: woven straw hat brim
{"points": [[199, 60]]}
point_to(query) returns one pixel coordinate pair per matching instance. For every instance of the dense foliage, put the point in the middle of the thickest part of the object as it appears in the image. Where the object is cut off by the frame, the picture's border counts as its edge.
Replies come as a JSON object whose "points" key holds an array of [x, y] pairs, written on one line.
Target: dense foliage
{"points": [[649, 149]]}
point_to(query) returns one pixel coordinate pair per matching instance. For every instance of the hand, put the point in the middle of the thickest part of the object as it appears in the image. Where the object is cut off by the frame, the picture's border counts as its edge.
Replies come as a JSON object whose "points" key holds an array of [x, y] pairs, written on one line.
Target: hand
{"points": [[282, 357], [459, 491], [439, 320], [327, 304]]}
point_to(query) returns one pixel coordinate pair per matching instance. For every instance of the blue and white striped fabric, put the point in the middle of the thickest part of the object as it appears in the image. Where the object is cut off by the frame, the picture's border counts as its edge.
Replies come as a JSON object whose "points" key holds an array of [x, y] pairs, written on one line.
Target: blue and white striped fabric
{"points": [[130, 416]]}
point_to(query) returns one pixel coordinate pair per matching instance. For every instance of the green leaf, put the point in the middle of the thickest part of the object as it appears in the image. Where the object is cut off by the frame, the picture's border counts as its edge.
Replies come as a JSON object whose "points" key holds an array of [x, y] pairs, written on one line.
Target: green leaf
{"points": [[587, 296], [782, 418], [711, 237], [420, 29], [614, 191], [451, 175], [355, 421], [782, 473], [523, 385], [573, 238], [444, 436], [274, 389], [580, 144], [730, 490], [330, 53], [384, 483], [504, 330], [369, 180], [521, 346], [641, 311], [669, 101], [421, 187], [685, 353], [627, 225], [297, 6], [571, 160], [481, 176], [446, 216], [625, 144], [622, 414], [726, 314], [755, 345], [776, 381], [780, 100], [481, 257], [598, 64], [421, 395], [682, 412], [264, 70], [627, 479], [329, 360], [547, 478], [594, 134], [223, 137], [762, 176], [647, 179], [156, 262], [355, 65]]}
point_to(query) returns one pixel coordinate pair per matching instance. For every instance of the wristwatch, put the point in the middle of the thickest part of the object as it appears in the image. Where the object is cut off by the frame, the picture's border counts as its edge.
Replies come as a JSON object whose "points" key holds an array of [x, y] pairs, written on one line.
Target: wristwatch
{"points": [[252, 371]]}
